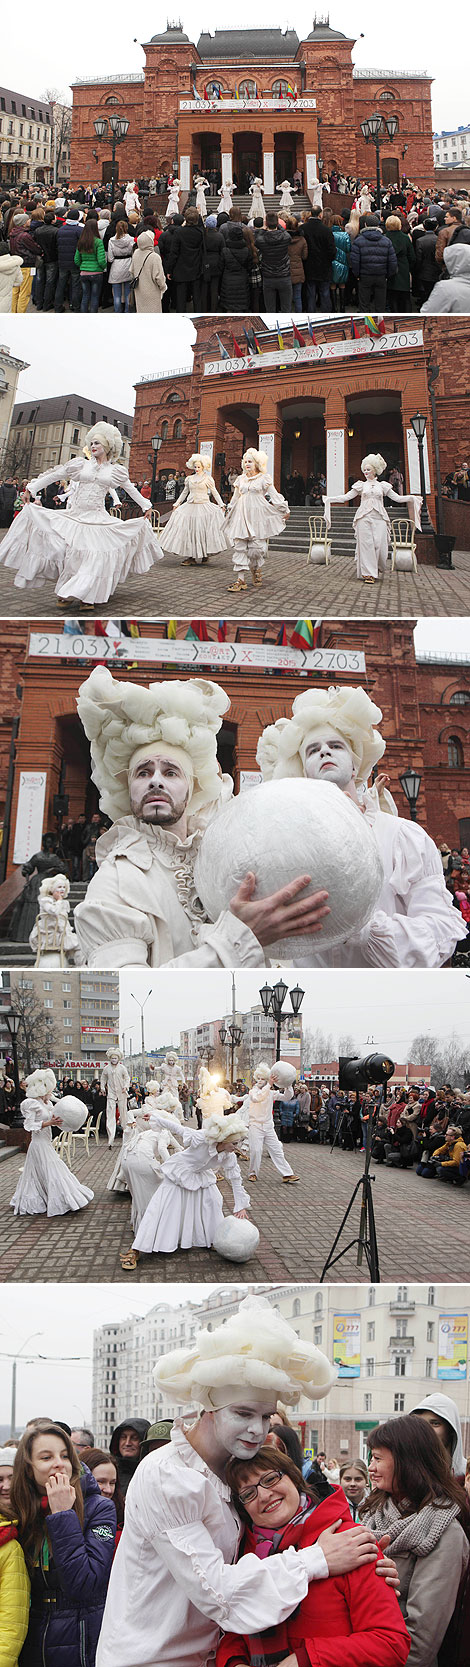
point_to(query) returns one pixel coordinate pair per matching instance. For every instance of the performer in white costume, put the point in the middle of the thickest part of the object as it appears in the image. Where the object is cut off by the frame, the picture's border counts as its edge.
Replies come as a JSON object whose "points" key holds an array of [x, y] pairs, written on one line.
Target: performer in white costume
{"points": [[257, 204], [172, 207], [363, 202], [115, 1081], [256, 513], [131, 198], [90, 551], [175, 1582], [225, 201], [212, 1097], [372, 528], [316, 194], [287, 200], [187, 1209], [196, 527], [52, 938], [331, 736], [170, 1076], [201, 185], [262, 1133], [158, 1117], [46, 1185]]}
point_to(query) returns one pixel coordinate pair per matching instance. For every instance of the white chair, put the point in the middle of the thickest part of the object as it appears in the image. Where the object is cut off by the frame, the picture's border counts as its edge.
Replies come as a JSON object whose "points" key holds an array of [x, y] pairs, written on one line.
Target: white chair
{"points": [[155, 521], [404, 546], [116, 511], [81, 1134], [319, 549], [62, 1146]]}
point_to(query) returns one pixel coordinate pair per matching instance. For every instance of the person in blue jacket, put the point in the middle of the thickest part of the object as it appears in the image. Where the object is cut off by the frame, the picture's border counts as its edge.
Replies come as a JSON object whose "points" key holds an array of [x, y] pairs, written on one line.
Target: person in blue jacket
{"points": [[66, 1528]]}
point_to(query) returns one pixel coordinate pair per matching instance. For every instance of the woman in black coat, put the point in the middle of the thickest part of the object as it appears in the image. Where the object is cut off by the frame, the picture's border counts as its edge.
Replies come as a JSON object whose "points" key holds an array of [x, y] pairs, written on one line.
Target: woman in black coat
{"points": [[235, 290], [214, 252], [186, 261]]}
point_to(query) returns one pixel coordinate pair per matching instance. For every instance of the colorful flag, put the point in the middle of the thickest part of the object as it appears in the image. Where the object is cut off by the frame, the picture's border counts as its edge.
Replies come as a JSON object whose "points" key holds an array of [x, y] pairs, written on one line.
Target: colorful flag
{"points": [[372, 326], [290, 90], [237, 352], [282, 638], [221, 630], [305, 633], [297, 334], [354, 331], [198, 631], [196, 94], [170, 630], [224, 353], [280, 341], [312, 334]]}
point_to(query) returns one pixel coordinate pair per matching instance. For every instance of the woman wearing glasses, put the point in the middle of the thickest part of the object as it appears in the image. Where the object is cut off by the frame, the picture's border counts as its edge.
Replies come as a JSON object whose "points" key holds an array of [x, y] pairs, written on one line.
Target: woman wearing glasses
{"points": [[346, 1620]]}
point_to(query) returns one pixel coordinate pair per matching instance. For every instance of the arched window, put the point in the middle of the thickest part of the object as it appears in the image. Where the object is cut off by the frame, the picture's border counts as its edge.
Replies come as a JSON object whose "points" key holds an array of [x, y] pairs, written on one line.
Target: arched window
{"points": [[295, 1308], [165, 427], [213, 88], [174, 399], [280, 89], [318, 1303], [178, 429], [455, 753], [247, 89], [112, 99], [461, 698], [386, 94]]}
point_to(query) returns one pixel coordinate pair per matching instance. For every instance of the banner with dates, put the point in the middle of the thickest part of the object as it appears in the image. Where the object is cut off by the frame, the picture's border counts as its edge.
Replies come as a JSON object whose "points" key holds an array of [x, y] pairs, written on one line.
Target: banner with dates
{"points": [[364, 347], [51, 645]]}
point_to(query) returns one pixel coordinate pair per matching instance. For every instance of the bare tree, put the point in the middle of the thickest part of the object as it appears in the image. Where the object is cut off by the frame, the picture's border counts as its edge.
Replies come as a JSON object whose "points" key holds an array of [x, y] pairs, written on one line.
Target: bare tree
{"points": [[17, 462], [317, 1048], [61, 126], [347, 1044], [447, 1059], [37, 1039]]}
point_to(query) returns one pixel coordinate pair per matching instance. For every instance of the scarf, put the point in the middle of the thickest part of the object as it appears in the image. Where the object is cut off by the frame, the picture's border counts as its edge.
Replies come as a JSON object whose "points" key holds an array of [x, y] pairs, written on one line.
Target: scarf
{"points": [[417, 1534], [268, 1539]]}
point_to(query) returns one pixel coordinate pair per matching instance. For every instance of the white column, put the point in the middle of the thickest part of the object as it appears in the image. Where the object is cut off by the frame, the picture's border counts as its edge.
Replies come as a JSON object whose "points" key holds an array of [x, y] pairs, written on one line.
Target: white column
{"points": [[268, 174], [185, 172], [334, 461], [312, 176], [266, 443], [206, 449], [413, 461], [227, 168]]}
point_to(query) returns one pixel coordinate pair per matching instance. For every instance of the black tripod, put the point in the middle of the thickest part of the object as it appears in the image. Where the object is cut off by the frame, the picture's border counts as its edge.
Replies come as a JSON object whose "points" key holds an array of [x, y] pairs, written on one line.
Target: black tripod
{"points": [[366, 1239]]}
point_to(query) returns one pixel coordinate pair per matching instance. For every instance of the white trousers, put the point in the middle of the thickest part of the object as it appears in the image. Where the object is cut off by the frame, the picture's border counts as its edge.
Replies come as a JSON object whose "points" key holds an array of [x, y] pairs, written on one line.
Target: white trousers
{"points": [[121, 1102], [249, 553], [371, 546], [266, 1139]]}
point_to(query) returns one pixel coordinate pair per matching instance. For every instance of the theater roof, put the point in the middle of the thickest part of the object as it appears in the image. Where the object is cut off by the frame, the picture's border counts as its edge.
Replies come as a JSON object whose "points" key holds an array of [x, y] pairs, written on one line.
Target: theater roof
{"points": [[173, 35], [249, 43]]}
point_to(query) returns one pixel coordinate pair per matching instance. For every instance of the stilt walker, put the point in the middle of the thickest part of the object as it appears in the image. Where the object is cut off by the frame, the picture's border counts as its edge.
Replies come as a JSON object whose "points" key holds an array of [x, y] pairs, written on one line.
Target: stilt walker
{"points": [[115, 1081]]}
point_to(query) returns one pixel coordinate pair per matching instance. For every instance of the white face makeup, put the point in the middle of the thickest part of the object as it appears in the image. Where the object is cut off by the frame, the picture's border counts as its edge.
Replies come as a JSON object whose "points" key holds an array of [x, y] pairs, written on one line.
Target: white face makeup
{"points": [[242, 1429], [199, 467], [368, 471], [98, 451], [328, 758], [59, 891], [250, 469], [158, 790]]}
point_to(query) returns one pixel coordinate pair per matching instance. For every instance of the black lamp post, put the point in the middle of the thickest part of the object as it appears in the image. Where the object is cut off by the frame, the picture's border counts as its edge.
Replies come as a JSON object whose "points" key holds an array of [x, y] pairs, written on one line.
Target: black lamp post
{"points": [[418, 424], [111, 131], [13, 1021], [273, 1001], [376, 131], [156, 443], [223, 1038], [235, 1034], [410, 781]]}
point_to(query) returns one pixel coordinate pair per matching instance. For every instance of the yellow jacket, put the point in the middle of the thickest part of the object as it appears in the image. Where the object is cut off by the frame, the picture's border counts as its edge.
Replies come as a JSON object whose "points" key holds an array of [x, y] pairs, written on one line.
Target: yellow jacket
{"points": [[452, 1158], [14, 1596]]}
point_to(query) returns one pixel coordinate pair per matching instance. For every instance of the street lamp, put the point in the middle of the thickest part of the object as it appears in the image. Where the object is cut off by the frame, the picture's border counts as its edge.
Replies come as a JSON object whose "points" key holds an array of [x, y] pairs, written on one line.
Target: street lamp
{"points": [[111, 131], [223, 1039], [273, 1002], [13, 1379], [410, 781], [376, 131], [419, 424], [156, 443], [13, 1021], [235, 1038], [142, 1004]]}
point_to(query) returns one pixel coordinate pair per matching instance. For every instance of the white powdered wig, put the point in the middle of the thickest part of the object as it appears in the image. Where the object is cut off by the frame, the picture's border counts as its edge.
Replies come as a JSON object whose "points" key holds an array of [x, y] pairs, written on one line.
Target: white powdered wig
{"points": [[260, 458], [40, 1084], [255, 1353], [218, 1126], [53, 880], [120, 718], [262, 1072], [152, 1087], [111, 1051], [198, 457], [376, 462], [108, 436], [351, 712]]}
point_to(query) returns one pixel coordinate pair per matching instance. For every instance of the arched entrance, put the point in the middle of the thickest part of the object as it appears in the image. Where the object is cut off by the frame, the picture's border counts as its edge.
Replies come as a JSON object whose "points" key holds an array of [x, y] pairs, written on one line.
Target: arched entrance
{"points": [[237, 428], [374, 424], [285, 156], [247, 158], [303, 450], [73, 749], [210, 154]]}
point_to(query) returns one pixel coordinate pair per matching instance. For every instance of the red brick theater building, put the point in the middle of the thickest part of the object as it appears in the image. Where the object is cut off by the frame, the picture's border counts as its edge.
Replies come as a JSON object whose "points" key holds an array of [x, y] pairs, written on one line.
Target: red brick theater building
{"points": [[317, 407], [253, 100], [425, 704]]}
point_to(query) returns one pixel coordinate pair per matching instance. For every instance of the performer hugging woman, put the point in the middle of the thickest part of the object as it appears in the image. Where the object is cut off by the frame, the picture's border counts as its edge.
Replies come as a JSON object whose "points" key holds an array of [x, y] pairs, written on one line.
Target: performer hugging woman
{"points": [[88, 551]]}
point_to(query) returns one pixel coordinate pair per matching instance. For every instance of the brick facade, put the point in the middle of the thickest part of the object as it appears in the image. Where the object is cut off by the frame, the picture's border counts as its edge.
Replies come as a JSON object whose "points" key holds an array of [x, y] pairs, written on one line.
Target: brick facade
{"points": [[370, 398], [421, 724], [319, 67]]}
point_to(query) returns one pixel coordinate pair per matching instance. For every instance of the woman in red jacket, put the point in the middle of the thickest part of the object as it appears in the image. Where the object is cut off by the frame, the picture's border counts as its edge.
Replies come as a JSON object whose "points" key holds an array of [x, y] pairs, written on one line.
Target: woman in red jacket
{"points": [[347, 1620]]}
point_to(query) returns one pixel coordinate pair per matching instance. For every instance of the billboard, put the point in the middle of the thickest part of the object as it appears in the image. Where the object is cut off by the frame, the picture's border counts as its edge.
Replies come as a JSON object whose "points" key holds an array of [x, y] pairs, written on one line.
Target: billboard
{"points": [[453, 1346], [347, 1344]]}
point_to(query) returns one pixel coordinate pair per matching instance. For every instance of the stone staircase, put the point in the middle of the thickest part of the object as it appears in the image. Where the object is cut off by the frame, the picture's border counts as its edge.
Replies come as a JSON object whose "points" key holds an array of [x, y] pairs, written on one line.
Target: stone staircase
{"points": [[271, 203], [295, 539], [20, 954]]}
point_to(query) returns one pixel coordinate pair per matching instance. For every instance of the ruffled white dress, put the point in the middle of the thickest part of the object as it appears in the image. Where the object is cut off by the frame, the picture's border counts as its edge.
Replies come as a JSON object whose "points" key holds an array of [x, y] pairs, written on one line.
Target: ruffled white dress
{"points": [[46, 1186], [256, 510], [196, 528], [257, 204], [172, 206], [187, 1209], [52, 938], [202, 185], [90, 551], [372, 527], [287, 200], [225, 201]]}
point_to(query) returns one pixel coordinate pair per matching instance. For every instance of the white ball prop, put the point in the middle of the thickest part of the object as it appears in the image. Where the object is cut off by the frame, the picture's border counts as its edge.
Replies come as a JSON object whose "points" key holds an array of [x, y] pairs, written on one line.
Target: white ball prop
{"points": [[290, 827], [72, 1112], [236, 1240], [283, 1074]]}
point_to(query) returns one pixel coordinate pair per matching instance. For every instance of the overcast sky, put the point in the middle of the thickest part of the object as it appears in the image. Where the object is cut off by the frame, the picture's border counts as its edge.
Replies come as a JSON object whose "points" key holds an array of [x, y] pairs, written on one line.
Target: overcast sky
{"points": [[50, 52], [387, 1007]]}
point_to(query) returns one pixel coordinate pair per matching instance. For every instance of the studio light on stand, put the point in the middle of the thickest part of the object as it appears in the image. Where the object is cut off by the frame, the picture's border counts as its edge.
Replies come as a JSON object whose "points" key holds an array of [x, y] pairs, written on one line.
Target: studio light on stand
{"points": [[360, 1075]]}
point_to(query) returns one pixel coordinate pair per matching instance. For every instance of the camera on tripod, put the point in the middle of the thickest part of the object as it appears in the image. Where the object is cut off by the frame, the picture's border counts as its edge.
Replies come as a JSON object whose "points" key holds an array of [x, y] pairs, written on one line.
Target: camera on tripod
{"points": [[360, 1074]]}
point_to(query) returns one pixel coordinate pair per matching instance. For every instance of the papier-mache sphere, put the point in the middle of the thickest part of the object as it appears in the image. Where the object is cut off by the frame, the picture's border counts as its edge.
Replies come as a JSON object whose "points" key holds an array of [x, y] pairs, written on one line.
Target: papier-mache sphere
{"points": [[283, 1074], [283, 829], [72, 1112], [236, 1240]]}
